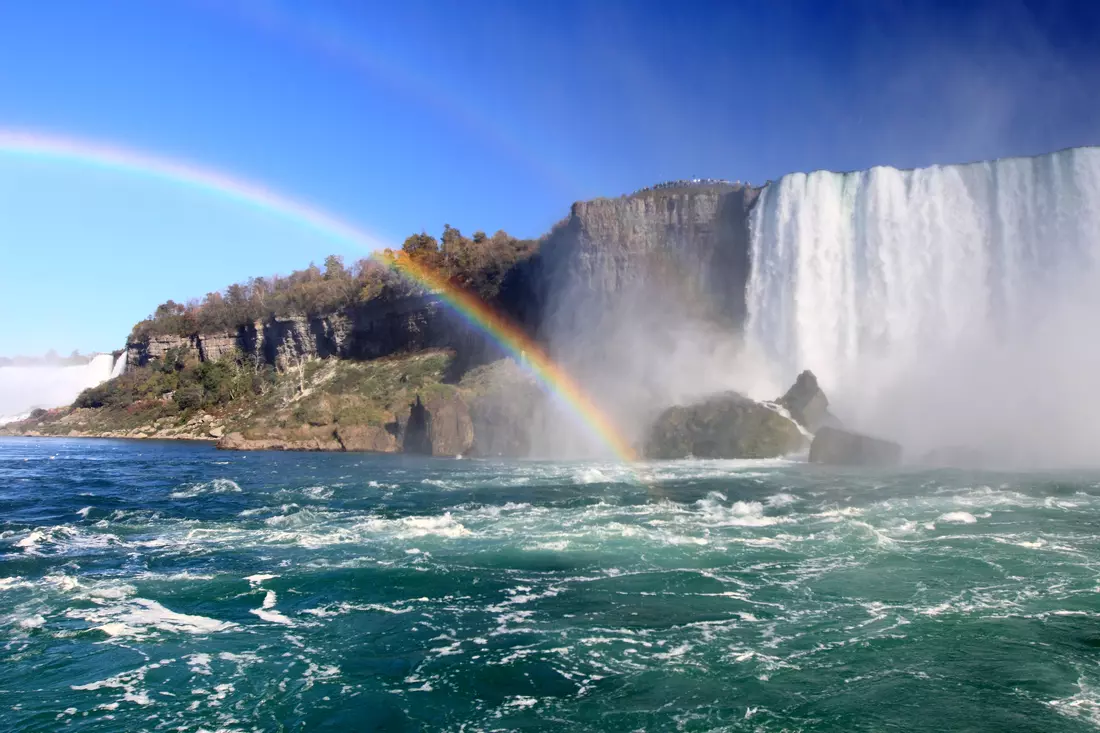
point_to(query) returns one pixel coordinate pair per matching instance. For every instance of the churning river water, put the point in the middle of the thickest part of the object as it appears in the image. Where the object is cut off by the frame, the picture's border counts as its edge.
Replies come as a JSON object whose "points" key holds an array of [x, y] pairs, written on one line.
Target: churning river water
{"points": [[153, 586]]}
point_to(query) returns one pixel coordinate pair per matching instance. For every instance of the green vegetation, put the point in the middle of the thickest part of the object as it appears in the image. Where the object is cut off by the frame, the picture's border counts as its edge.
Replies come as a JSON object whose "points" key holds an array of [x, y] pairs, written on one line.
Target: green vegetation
{"points": [[351, 393], [186, 383], [184, 396], [478, 264]]}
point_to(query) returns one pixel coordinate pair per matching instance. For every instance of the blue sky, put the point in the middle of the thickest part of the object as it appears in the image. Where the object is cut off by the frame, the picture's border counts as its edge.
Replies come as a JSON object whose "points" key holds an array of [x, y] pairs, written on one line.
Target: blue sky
{"points": [[401, 117]]}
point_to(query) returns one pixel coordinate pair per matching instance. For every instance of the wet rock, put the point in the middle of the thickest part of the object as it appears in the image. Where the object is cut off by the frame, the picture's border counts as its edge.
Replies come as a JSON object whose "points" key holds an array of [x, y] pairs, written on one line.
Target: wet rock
{"points": [[727, 425], [367, 438], [807, 403], [442, 427]]}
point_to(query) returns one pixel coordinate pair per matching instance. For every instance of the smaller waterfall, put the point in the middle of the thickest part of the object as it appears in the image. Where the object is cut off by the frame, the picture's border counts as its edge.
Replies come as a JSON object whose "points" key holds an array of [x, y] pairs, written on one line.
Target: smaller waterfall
{"points": [[120, 366], [25, 388]]}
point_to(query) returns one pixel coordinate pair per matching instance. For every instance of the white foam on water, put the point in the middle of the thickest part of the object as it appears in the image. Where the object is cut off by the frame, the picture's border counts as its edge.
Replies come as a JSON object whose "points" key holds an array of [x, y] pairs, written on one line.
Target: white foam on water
{"points": [[415, 527], [342, 608], [318, 492], [958, 518], [141, 617], [65, 539], [590, 476], [14, 582], [34, 621], [255, 580], [129, 683], [781, 500], [267, 613], [1084, 704], [737, 514], [217, 486], [199, 663]]}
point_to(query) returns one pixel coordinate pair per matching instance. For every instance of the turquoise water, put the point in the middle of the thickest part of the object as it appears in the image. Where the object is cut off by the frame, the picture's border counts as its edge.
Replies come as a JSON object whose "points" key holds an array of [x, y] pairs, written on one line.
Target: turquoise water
{"points": [[149, 586]]}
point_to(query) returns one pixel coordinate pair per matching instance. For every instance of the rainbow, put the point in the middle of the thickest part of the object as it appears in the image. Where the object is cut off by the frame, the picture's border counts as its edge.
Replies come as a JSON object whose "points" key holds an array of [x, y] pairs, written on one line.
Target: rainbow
{"points": [[468, 306], [525, 350]]}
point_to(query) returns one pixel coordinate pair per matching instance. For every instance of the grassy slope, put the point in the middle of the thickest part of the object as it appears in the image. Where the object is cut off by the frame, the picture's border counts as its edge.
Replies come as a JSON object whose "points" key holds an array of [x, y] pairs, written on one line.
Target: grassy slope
{"points": [[325, 394]]}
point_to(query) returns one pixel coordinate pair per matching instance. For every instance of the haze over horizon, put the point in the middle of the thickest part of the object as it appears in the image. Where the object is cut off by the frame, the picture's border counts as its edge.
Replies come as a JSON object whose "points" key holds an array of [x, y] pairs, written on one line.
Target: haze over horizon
{"points": [[485, 116]]}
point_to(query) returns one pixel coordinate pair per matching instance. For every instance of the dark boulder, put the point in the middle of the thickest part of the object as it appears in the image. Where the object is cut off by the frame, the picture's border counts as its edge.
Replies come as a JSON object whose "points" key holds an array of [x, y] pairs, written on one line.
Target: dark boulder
{"points": [[836, 446], [442, 427], [727, 425], [417, 439], [451, 431], [807, 403]]}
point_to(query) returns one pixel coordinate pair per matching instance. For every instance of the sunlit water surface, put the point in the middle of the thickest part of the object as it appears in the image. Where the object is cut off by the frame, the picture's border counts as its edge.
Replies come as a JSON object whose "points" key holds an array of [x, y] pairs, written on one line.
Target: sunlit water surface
{"points": [[151, 586]]}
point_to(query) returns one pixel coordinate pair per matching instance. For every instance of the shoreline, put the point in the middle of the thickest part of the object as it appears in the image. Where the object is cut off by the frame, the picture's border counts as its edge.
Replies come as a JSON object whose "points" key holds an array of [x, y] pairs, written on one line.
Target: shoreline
{"points": [[86, 436]]}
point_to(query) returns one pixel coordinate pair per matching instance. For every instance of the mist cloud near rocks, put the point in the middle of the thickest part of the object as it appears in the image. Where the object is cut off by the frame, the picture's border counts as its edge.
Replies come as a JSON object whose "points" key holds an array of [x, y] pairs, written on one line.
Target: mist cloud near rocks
{"points": [[637, 353]]}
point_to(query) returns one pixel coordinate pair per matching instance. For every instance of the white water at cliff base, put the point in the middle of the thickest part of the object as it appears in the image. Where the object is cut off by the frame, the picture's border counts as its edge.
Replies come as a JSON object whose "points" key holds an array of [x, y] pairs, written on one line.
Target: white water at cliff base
{"points": [[24, 388], [952, 305]]}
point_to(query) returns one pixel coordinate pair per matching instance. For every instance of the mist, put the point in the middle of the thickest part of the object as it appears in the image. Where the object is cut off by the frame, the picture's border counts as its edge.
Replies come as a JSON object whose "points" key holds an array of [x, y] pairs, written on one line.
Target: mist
{"points": [[655, 342], [27, 386], [947, 306]]}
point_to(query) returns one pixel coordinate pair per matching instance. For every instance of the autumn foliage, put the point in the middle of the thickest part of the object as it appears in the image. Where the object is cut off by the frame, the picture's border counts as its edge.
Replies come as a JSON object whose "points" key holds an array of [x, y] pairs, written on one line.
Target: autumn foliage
{"points": [[478, 264]]}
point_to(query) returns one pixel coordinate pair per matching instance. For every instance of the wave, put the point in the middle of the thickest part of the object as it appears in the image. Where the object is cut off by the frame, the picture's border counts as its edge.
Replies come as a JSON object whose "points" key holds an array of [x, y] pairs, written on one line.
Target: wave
{"points": [[141, 618], [217, 486]]}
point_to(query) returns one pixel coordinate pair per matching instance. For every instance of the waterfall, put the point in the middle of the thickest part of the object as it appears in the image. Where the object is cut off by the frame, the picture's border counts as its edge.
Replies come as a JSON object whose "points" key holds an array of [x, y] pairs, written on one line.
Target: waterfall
{"points": [[120, 366], [24, 388], [951, 303]]}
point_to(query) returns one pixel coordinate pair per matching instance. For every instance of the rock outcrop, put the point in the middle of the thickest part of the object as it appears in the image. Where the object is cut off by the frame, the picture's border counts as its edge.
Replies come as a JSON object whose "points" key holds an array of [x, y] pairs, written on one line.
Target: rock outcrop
{"points": [[300, 439], [450, 430], [841, 447], [807, 403], [691, 241], [417, 430], [368, 331], [366, 439], [727, 425]]}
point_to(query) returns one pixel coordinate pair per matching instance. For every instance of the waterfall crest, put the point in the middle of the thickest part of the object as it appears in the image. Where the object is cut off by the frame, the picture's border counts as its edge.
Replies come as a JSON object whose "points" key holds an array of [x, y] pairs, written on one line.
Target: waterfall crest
{"points": [[936, 304]]}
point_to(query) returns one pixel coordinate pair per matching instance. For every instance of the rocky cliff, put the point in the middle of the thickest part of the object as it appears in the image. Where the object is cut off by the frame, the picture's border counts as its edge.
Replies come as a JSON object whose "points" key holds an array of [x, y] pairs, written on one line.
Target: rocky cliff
{"points": [[680, 251], [689, 241], [375, 329]]}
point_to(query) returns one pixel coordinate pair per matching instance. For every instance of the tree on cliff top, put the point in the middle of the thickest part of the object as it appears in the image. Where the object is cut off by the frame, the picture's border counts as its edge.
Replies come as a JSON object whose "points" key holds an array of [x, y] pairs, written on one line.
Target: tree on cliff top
{"points": [[478, 264]]}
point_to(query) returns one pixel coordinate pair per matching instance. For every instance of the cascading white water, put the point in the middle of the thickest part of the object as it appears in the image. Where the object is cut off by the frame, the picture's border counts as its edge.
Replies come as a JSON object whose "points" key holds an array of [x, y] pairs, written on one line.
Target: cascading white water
{"points": [[945, 304], [24, 388], [120, 366]]}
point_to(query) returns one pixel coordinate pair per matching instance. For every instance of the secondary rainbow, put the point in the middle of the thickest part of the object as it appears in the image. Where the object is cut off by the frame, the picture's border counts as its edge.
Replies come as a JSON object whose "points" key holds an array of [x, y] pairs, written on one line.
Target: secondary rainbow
{"points": [[112, 157], [498, 327]]}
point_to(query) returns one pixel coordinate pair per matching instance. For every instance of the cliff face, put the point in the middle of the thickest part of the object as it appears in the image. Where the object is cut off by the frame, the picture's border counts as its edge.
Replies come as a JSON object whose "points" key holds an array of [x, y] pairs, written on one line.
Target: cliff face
{"points": [[367, 332], [610, 293], [690, 242], [694, 237]]}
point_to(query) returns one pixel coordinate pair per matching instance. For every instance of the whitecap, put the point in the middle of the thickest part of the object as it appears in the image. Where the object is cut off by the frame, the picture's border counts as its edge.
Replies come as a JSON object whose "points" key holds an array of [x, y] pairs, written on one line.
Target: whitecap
{"points": [[142, 617], [781, 500], [415, 527], [958, 518], [217, 486], [266, 612]]}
